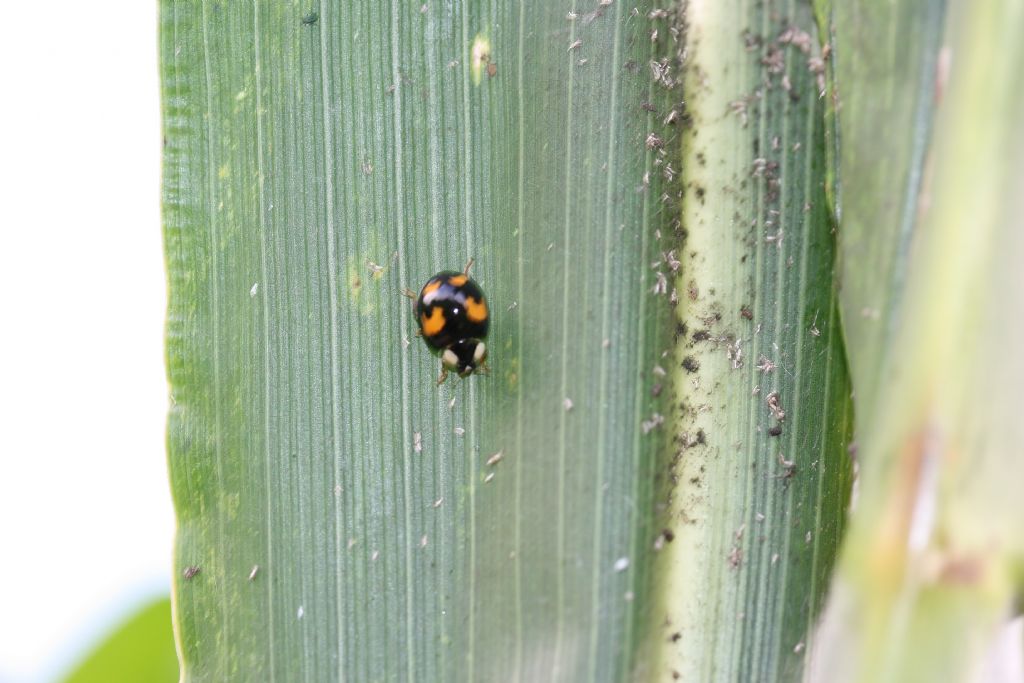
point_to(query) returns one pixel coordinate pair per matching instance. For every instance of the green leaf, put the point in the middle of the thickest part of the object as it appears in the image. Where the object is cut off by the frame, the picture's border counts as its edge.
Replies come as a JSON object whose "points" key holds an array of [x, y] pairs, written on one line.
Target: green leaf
{"points": [[760, 478], [337, 518], [932, 565], [885, 69], [139, 649]]}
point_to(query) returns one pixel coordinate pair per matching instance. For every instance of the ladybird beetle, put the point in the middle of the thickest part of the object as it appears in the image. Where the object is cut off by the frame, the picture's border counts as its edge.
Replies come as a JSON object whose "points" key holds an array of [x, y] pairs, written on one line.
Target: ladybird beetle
{"points": [[452, 314]]}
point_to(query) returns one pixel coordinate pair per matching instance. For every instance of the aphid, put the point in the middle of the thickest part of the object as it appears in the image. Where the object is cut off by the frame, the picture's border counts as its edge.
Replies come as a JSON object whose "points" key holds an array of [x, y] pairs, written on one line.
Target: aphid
{"points": [[452, 314]]}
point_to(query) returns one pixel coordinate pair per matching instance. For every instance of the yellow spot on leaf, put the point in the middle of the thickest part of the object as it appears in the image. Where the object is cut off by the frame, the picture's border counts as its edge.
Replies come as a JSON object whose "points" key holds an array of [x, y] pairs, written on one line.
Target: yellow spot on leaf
{"points": [[512, 373], [480, 56]]}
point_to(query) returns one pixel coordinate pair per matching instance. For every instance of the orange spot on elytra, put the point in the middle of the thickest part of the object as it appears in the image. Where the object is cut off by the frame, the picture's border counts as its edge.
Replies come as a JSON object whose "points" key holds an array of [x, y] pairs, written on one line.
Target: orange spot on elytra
{"points": [[433, 323], [431, 286], [457, 280], [476, 310]]}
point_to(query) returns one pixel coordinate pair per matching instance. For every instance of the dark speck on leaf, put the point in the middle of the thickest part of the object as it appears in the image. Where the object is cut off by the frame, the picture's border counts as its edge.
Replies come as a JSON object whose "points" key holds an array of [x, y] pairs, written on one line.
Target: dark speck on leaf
{"points": [[690, 364], [775, 431], [311, 18]]}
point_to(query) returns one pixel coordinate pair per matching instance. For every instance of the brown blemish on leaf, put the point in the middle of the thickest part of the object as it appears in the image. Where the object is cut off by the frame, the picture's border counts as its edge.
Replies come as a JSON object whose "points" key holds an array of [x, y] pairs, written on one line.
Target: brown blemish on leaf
{"points": [[890, 545], [692, 291]]}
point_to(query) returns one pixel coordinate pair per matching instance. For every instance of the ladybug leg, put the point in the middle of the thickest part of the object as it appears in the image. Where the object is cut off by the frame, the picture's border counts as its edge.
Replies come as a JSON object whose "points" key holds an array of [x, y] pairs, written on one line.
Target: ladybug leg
{"points": [[469, 264], [443, 377], [406, 292], [483, 369], [419, 332]]}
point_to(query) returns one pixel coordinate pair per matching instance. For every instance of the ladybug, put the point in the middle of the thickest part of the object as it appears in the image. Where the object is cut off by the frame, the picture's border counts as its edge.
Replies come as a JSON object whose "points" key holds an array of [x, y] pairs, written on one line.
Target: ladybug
{"points": [[452, 314]]}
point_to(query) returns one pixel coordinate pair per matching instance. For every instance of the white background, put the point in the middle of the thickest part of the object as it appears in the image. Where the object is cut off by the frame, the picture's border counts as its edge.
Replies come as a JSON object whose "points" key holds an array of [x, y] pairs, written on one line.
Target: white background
{"points": [[86, 524]]}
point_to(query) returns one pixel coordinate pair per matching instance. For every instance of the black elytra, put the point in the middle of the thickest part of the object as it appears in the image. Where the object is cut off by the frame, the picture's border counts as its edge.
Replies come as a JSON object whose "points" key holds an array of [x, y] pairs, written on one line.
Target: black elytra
{"points": [[453, 317]]}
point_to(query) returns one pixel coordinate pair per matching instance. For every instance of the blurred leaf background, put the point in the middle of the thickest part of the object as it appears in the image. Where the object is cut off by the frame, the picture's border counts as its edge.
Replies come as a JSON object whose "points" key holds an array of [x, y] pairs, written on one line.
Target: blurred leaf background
{"points": [[932, 290], [139, 649]]}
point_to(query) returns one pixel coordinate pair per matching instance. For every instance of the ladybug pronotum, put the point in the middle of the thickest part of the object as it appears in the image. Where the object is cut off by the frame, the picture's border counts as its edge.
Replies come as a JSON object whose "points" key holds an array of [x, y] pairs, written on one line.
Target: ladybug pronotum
{"points": [[452, 314]]}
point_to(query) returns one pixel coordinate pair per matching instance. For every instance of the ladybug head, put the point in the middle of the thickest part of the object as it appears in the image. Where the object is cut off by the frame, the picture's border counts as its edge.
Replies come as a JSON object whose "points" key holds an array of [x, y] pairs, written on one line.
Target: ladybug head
{"points": [[464, 356]]}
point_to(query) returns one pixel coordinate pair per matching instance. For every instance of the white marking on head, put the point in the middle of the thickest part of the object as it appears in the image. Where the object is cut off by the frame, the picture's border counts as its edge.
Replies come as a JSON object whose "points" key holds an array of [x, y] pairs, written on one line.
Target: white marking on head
{"points": [[449, 359], [479, 352]]}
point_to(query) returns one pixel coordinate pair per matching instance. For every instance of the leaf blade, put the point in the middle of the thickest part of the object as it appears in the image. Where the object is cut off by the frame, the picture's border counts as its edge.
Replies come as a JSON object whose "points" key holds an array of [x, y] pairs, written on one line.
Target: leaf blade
{"points": [[304, 154], [931, 559], [760, 470], [139, 648]]}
